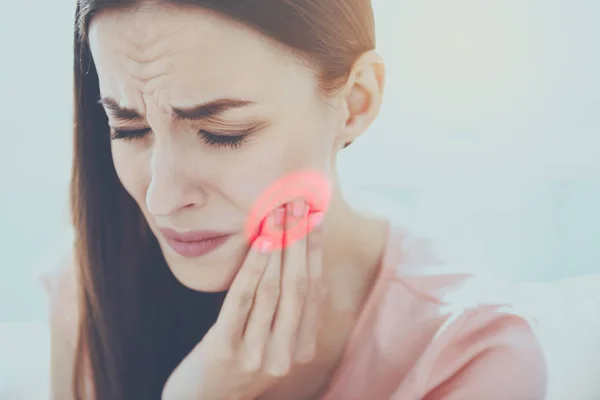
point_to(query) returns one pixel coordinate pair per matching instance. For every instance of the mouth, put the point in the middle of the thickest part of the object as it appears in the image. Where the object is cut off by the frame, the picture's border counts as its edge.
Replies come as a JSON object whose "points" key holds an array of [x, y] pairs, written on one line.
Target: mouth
{"points": [[194, 244]]}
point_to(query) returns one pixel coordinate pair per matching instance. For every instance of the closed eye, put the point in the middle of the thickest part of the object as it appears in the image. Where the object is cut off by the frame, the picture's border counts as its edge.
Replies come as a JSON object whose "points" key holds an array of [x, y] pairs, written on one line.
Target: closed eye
{"points": [[128, 134], [232, 140]]}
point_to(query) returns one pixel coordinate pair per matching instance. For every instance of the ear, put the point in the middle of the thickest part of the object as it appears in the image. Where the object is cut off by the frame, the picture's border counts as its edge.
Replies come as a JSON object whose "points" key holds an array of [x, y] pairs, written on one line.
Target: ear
{"points": [[362, 96]]}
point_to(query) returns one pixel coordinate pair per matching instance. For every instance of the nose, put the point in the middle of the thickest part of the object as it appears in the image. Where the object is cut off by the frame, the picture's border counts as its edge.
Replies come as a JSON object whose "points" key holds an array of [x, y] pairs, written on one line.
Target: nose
{"points": [[172, 185]]}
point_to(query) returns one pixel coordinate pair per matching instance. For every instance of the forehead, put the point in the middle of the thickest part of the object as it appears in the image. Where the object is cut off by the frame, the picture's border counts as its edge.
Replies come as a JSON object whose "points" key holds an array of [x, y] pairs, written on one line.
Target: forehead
{"points": [[188, 54]]}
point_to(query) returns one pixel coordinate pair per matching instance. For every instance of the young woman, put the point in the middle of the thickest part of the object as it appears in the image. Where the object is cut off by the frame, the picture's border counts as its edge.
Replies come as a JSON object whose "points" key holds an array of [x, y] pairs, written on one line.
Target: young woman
{"points": [[186, 112]]}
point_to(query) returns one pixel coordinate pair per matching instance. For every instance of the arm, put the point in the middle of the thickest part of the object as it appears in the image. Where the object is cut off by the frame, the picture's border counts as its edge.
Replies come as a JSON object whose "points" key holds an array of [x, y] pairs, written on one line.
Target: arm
{"points": [[61, 362], [494, 357]]}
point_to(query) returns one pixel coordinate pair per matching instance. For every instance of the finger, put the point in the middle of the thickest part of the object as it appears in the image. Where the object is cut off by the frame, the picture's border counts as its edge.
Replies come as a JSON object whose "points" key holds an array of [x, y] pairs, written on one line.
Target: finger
{"points": [[238, 302], [258, 327], [311, 314], [293, 292]]}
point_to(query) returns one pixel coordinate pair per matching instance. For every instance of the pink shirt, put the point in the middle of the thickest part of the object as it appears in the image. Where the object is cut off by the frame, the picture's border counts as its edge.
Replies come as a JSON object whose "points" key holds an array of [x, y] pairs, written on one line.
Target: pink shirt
{"points": [[418, 338], [414, 340]]}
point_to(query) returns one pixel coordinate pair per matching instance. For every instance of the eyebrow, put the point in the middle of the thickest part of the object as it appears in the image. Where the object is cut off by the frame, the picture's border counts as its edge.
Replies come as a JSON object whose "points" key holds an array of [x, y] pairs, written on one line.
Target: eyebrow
{"points": [[194, 113]]}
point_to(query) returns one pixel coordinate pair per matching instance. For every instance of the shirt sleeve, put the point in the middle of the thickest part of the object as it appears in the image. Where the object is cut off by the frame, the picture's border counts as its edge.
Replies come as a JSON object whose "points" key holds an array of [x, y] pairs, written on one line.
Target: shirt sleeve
{"points": [[491, 355]]}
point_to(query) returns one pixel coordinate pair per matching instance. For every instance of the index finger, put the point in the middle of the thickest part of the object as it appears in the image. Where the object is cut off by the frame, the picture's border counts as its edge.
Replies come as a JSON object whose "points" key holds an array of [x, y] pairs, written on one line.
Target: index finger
{"points": [[240, 298]]}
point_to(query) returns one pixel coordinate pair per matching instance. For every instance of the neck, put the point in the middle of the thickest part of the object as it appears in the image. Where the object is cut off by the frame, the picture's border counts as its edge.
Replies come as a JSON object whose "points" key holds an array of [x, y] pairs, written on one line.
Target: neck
{"points": [[353, 246]]}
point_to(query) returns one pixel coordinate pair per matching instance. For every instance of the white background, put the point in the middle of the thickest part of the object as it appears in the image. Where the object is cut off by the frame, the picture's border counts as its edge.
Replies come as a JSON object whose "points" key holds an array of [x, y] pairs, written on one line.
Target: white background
{"points": [[489, 134]]}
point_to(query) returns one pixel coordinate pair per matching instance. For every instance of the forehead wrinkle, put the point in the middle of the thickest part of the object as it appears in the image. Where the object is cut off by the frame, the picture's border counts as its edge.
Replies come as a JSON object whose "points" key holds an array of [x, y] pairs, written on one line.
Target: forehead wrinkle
{"points": [[147, 71], [193, 68], [143, 96], [149, 54], [196, 30], [162, 101]]}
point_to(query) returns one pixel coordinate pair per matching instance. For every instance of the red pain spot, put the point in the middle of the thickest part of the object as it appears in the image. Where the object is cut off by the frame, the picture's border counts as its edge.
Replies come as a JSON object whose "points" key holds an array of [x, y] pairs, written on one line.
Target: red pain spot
{"points": [[310, 186]]}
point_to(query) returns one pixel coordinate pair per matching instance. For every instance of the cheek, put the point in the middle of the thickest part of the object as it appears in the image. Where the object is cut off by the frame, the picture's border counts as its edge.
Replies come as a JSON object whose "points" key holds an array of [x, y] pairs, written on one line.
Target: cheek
{"points": [[131, 167], [281, 154], [301, 143]]}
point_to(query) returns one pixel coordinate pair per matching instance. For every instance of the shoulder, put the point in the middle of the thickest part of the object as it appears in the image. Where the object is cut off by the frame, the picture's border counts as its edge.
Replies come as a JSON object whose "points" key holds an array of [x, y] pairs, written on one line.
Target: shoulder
{"points": [[58, 278], [486, 352], [472, 342]]}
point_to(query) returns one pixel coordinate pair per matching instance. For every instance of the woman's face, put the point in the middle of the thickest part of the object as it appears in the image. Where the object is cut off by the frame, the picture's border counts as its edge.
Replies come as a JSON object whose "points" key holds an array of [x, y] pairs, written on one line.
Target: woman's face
{"points": [[202, 169]]}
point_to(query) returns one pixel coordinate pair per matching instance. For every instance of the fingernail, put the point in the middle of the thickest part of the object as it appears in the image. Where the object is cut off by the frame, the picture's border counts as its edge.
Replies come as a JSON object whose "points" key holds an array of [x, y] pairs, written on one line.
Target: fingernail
{"points": [[279, 215], [316, 219], [264, 244], [298, 208]]}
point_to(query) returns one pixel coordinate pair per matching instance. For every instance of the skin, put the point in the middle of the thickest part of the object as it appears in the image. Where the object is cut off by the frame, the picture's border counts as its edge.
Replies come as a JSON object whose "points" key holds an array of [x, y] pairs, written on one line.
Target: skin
{"points": [[154, 58]]}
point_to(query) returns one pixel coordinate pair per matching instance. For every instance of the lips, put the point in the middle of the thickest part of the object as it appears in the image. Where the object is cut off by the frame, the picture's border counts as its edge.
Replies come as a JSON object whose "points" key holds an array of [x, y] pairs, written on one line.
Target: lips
{"points": [[196, 243]]}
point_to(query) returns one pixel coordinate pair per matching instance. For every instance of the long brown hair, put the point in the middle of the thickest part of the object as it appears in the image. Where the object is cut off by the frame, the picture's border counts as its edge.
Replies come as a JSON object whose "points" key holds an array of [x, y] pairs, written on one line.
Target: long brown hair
{"points": [[137, 322]]}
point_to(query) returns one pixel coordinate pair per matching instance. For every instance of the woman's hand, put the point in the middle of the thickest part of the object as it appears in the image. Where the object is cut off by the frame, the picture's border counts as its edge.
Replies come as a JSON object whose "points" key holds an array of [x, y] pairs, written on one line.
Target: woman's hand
{"points": [[269, 320]]}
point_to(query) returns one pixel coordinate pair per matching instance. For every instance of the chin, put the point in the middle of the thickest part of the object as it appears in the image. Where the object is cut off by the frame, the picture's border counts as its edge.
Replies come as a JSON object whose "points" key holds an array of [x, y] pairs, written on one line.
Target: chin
{"points": [[215, 274]]}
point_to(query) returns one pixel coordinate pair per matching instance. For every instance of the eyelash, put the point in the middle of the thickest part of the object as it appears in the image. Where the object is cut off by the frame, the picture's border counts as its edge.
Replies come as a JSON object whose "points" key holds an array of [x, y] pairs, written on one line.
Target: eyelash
{"points": [[232, 141]]}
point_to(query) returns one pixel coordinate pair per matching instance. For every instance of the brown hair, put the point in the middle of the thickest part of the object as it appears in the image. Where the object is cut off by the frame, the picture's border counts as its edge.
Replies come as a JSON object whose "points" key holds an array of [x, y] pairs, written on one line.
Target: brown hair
{"points": [[137, 322]]}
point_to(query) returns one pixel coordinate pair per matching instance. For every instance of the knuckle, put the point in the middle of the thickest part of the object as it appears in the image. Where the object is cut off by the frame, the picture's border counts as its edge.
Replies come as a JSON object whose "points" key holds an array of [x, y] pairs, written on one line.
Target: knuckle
{"points": [[299, 284], [269, 290], [263, 319], [279, 360], [252, 363], [307, 353], [245, 299], [266, 320], [279, 369]]}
